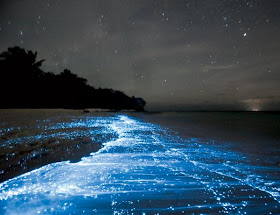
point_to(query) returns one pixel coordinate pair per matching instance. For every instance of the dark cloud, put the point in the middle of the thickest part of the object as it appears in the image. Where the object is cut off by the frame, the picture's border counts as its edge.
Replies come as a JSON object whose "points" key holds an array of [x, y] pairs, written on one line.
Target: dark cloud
{"points": [[174, 54]]}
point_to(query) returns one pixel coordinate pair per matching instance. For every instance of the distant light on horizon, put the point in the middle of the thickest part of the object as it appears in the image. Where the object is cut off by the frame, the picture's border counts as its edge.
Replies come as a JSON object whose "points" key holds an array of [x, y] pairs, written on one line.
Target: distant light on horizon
{"points": [[253, 104], [255, 107], [213, 58]]}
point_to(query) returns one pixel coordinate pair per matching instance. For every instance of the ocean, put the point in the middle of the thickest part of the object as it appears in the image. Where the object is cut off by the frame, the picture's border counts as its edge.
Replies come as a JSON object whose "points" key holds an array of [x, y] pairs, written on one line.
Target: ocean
{"points": [[139, 163]]}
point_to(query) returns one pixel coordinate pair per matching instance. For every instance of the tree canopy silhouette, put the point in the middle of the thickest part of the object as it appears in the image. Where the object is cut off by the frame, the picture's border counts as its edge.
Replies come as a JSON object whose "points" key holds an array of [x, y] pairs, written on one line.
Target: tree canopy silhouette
{"points": [[24, 85]]}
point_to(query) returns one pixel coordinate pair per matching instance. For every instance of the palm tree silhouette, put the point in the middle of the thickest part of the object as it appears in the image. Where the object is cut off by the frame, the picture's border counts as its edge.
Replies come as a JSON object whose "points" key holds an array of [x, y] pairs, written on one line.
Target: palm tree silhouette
{"points": [[24, 85], [16, 61]]}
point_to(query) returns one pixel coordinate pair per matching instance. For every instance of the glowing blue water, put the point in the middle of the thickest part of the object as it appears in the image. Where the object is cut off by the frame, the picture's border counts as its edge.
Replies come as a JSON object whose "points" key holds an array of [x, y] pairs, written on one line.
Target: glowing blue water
{"points": [[147, 170]]}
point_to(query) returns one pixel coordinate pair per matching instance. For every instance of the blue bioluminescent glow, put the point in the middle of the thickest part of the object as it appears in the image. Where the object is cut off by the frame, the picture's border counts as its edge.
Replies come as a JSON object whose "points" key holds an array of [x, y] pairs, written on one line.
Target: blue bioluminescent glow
{"points": [[145, 170]]}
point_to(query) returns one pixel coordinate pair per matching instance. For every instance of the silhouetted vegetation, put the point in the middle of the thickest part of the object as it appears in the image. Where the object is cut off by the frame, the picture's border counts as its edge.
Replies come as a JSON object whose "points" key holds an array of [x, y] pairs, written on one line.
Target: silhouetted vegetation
{"points": [[24, 85]]}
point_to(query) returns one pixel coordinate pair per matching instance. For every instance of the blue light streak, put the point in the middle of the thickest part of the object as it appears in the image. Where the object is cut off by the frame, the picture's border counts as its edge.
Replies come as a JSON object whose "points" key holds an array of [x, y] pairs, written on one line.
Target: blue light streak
{"points": [[147, 169]]}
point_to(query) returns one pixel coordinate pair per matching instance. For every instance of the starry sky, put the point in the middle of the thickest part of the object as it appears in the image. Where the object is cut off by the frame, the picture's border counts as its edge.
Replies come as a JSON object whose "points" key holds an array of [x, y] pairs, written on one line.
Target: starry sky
{"points": [[176, 54]]}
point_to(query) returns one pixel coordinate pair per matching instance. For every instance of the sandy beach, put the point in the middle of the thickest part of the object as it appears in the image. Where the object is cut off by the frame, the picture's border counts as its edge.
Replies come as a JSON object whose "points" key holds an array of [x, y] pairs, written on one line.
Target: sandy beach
{"points": [[33, 138], [124, 163]]}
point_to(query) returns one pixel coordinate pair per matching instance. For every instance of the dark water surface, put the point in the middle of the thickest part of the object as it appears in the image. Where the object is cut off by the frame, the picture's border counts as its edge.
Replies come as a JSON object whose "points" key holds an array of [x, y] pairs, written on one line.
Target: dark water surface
{"points": [[169, 163]]}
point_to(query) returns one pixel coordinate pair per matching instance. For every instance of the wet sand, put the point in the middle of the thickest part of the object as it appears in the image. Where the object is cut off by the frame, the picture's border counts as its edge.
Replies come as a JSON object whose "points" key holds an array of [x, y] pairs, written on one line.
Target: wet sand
{"points": [[141, 168], [33, 138]]}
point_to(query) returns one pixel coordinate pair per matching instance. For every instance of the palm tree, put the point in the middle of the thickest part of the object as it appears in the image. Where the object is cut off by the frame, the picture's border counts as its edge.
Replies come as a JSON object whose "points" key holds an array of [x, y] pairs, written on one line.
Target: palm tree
{"points": [[20, 76], [17, 61]]}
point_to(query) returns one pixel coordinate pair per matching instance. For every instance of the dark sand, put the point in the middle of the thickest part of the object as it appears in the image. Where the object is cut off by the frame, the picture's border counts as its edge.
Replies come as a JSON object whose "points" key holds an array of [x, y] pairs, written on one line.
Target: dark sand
{"points": [[142, 167], [27, 142]]}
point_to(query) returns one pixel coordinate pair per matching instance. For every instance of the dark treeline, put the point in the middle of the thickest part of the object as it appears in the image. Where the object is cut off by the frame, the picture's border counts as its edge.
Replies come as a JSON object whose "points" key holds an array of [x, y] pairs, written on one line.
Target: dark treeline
{"points": [[24, 85]]}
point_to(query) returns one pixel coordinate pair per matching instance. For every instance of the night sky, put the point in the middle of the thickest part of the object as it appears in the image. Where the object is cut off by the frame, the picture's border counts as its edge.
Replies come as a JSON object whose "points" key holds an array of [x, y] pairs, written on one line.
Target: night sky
{"points": [[177, 55]]}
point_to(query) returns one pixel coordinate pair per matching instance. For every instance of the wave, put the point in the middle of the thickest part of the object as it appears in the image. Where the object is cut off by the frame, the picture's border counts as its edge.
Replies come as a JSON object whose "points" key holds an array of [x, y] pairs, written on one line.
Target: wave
{"points": [[146, 169]]}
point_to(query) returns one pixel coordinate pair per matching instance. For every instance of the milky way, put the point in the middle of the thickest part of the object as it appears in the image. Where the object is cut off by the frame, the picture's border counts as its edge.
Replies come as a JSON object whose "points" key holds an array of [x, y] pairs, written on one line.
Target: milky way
{"points": [[177, 55]]}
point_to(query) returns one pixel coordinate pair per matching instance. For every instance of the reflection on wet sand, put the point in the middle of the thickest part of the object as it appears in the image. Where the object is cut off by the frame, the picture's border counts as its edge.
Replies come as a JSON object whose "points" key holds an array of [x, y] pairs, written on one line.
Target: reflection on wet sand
{"points": [[148, 170]]}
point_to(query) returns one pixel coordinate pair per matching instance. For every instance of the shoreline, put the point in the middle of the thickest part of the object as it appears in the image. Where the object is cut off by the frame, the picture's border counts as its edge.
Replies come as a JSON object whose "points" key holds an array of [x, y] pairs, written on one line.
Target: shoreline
{"points": [[30, 140], [27, 158], [148, 167], [25, 155]]}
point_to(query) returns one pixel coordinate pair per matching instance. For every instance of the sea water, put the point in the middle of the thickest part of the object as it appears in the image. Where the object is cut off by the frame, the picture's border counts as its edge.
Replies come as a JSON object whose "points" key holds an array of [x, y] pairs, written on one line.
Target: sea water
{"points": [[156, 165]]}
